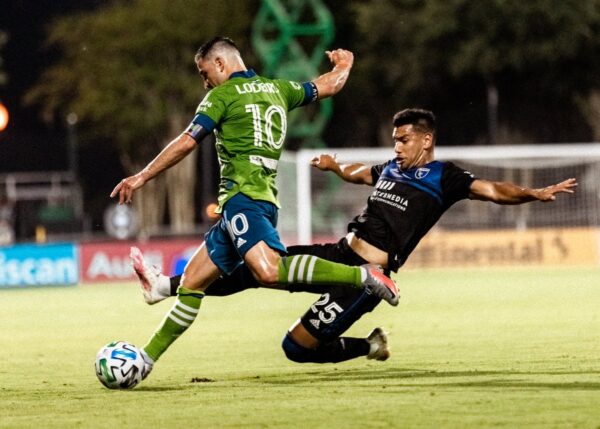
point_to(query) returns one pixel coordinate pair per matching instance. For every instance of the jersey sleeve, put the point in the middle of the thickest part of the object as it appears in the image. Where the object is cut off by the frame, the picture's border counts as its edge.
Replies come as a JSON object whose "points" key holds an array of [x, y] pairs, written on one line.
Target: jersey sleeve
{"points": [[377, 169], [456, 183], [211, 110], [297, 94]]}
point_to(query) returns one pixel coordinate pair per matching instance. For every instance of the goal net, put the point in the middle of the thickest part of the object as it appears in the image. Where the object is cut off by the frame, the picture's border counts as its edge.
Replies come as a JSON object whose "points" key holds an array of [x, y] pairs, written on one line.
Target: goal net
{"points": [[318, 205]]}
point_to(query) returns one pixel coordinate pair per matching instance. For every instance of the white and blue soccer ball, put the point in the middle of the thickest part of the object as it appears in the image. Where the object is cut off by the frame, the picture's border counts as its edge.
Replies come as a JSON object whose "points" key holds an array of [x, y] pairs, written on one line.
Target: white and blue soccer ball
{"points": [[119, 365]]}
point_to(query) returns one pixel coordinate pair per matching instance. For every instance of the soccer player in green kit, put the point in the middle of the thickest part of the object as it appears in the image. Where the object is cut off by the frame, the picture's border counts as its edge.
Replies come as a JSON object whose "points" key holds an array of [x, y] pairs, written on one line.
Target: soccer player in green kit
{"points": [[248, 115]]}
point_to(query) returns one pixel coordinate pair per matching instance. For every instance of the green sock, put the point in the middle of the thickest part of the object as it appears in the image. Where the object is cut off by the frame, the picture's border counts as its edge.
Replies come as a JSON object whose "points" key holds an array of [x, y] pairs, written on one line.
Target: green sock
{"points": [[310, 269], [178, 319]]}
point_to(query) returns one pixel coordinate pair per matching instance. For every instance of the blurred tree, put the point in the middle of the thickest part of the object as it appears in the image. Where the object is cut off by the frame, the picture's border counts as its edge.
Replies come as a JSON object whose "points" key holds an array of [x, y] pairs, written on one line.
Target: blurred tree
{"points": [[535, 58], [591, 109], [127, 71], [3, 39]]}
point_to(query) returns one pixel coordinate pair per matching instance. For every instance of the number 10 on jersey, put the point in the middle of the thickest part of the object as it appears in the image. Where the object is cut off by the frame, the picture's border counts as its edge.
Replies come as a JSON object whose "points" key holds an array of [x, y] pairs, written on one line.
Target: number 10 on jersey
{"points": [[272, 134]]}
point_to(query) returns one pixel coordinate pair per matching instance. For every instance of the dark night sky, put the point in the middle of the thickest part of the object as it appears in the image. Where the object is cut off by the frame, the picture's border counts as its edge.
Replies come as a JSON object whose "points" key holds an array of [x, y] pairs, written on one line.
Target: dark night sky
{"points": [[29, 144]]}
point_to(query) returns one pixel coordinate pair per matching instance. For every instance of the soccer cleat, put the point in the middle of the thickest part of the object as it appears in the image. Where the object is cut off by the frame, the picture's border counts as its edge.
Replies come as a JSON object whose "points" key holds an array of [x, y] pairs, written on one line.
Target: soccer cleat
{"points": [[380, 285], [148, 365], [149, 276], [379, 347]]}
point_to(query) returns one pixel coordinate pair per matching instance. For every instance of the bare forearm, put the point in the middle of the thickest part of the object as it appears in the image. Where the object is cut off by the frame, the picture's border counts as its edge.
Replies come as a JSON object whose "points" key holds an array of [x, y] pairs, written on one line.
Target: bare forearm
{"points": [[174, 152], [354, 173], [332, 82], [509, 193], [169, 156]]}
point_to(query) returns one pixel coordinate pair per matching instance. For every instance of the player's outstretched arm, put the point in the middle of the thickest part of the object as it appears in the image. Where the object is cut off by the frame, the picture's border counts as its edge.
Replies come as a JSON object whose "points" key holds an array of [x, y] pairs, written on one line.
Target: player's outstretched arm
{"points": [[332, 82], [354, 173], [174, 152], [509, 193]]}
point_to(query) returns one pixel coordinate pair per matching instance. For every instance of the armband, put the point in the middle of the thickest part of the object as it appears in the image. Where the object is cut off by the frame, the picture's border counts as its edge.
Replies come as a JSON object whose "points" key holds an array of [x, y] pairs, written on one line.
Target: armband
{"points": [[311, 93], [200, 127]]}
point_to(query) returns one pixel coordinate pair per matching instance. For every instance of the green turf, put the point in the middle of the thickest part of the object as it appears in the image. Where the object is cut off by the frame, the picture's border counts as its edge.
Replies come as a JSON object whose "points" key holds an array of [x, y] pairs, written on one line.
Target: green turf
{"points": [[471, 349]]}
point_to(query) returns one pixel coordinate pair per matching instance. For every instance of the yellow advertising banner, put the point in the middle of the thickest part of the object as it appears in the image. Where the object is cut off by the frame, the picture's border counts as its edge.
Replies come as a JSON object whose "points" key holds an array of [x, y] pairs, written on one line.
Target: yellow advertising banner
{"points": [[556, 247]]}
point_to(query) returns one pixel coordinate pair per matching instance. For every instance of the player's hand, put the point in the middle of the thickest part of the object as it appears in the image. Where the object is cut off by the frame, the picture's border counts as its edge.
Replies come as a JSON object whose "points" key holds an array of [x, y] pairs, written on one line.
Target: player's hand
{"points": [[341, 58], [324, 161], [549, 192], [127, 187]]}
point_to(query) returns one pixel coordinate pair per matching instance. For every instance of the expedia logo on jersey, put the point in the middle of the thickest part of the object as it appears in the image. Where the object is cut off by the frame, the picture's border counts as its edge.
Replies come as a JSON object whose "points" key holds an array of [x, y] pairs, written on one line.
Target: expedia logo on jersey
{"points": [[254, 87], [380, 194]]}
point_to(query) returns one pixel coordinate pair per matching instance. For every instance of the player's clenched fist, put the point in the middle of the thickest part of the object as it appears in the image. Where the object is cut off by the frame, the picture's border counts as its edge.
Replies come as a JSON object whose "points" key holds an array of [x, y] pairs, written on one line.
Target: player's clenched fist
{"points": [[341, 58], [324, 162]]}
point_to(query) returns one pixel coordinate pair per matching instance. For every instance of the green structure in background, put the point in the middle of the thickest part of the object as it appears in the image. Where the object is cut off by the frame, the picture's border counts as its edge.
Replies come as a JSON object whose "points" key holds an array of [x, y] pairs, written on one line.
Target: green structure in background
{"points": [[290, 37]]}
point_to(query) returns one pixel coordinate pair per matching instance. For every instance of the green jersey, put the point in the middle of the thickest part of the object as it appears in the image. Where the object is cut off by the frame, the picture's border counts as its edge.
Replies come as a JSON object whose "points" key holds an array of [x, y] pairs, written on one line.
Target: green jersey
{"points": [[248, 115]]}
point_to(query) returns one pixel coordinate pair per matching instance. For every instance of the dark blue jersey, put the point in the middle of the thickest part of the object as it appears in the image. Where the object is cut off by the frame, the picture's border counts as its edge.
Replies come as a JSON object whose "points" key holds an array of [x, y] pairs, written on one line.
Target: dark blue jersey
{"points": [[406, 204]]}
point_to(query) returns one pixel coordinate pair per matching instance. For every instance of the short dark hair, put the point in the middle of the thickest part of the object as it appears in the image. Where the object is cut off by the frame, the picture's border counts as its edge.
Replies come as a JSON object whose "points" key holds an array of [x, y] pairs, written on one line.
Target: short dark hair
{"points": [[423, 120], [217, 41]]}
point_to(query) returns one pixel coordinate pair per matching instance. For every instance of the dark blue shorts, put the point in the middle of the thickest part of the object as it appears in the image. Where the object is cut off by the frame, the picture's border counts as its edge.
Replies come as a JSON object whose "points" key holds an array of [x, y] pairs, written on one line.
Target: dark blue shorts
{"points": [[244, 223], [338, 307]]}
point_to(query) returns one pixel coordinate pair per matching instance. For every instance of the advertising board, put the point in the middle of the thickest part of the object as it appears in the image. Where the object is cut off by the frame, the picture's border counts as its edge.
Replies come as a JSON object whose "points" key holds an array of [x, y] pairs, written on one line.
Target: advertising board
{"points": [[38, 265], [547, 247], [102, 262]]}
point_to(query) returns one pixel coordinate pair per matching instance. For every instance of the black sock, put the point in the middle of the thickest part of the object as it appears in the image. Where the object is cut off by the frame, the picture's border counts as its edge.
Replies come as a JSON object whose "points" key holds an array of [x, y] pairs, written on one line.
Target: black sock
{"points": [[175, 284], [341, 349], [240, 280]]}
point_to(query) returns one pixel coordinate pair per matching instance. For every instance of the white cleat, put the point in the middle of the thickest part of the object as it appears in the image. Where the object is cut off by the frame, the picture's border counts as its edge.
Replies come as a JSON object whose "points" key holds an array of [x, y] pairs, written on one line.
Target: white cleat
{"points": [[379, 347], [148, 365], [155, 286]]}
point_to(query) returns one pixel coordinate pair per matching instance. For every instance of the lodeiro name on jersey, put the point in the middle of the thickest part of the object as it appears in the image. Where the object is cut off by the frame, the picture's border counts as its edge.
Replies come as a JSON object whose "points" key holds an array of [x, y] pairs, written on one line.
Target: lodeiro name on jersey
{"points": [[253, 87]]}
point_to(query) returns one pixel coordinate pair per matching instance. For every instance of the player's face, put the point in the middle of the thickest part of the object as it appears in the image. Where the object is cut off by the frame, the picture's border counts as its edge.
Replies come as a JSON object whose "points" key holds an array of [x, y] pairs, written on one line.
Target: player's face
{"points": [[211, 71], [411, 146]]}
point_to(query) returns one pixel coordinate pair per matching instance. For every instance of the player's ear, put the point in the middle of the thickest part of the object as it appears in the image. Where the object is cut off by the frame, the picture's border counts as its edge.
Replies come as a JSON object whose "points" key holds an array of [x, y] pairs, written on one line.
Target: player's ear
{"points": [[220, 64], [428, 140]]}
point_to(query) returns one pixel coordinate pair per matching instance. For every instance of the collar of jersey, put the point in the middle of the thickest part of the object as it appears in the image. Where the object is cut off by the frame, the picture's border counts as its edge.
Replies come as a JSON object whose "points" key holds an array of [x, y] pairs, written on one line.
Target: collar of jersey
{"points": [[247, 74], [429, 184], [413, 170]]}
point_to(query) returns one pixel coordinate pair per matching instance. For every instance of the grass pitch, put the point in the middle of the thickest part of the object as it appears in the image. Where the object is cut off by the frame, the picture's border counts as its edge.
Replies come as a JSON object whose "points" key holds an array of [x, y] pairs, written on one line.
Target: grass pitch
{"points": [[514, 348]]}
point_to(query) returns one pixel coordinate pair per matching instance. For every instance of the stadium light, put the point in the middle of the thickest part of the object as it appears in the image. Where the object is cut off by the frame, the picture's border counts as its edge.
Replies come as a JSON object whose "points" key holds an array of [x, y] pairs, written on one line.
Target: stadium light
{"points": [[210, 211], [3, 117]]}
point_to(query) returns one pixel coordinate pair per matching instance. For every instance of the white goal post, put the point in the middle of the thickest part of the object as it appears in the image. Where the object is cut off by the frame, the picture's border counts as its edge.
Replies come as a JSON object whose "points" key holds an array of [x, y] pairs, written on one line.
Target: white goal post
{"points": [[317, 204]]}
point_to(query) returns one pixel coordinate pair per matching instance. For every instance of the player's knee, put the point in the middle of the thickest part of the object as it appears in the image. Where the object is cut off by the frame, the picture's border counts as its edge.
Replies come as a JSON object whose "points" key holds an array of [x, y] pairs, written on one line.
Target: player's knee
{"points": [[267, 275], [264, 264], [295, 352]]}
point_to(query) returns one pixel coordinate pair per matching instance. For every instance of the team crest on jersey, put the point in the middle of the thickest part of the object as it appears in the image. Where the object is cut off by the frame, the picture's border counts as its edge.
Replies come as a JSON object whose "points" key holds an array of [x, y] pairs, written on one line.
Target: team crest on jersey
{"points": [[422, 172]]}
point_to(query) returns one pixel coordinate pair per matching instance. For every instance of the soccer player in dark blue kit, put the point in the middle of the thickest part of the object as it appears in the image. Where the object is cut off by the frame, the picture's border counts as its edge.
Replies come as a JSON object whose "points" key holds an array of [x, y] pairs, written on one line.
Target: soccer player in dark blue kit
{"points": [[411, 192]]}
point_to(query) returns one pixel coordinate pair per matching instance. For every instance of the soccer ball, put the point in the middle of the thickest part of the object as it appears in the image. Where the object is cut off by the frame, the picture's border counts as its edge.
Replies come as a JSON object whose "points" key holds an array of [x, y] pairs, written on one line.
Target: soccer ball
{"points": [[119, 365]]}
